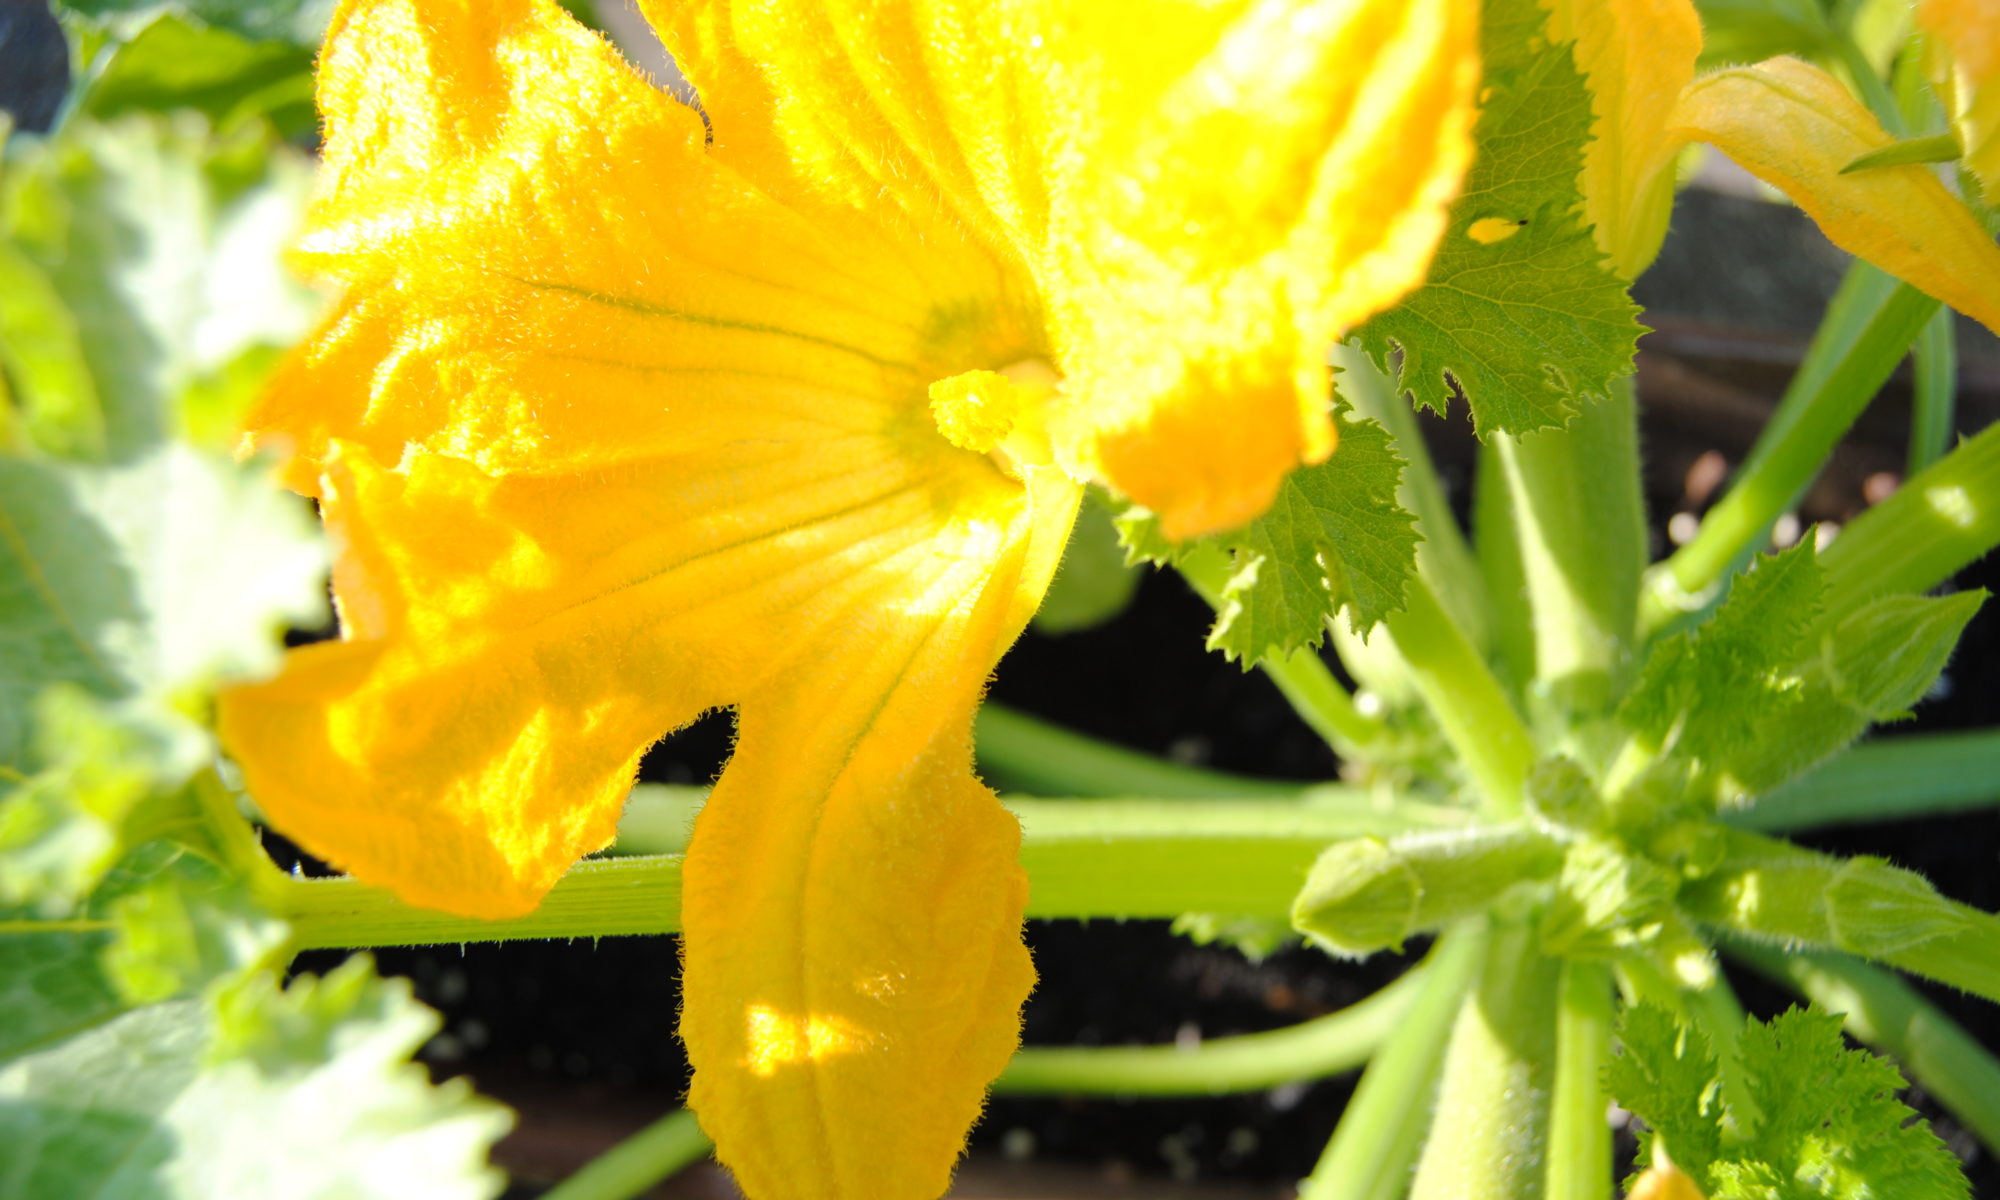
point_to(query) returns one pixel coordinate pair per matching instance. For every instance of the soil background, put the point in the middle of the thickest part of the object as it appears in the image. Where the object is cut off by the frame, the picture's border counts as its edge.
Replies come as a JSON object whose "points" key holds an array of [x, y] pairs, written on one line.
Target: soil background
{"points": [[578, 1035]]}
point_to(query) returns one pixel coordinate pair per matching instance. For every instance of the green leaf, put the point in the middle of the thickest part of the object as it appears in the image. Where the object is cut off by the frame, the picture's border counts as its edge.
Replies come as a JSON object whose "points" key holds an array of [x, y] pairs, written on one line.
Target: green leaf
{"points": [[1829, 1124], [1765, 689], [173, 62], [1095, 582], [1706, 692], [305, 1091], [1741, 31], [1334, 538], [302, 23], [100, 762], [1882, 659], [1607, 901], [165, 244], [1666, 1074], [122, 946], [151, 578], [43, 369], [1520, 313]]}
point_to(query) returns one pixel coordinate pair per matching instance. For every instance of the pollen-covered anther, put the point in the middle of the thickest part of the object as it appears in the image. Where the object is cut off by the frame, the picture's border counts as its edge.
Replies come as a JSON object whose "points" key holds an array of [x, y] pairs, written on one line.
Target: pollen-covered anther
{"points": [[1001, 413], [975, 410]]}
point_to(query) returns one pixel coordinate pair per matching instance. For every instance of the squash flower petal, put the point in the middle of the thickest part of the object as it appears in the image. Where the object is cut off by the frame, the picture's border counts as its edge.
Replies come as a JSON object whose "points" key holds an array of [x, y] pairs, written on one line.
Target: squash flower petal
{"points": [[1257, 177], [1795, 127], [1965, 48], [629, 412], [1638, 56], [1787, 122]]}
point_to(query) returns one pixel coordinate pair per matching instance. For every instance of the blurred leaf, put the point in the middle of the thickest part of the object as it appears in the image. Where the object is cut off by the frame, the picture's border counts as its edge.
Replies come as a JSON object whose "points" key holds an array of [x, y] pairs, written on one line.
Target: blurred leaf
{"points": [[1095, 583], [61, 976], [54, 401], [174, 63], [305, 1092], [98, 762], [1741, 31], [161, 577], [178, 933], [164, 242], [301, 23]]}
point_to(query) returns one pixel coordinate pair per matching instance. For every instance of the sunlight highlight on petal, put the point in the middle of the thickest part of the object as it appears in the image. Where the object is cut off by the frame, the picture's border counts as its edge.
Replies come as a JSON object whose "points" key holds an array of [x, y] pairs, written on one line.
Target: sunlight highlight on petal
{"points": [[1794, 126]]}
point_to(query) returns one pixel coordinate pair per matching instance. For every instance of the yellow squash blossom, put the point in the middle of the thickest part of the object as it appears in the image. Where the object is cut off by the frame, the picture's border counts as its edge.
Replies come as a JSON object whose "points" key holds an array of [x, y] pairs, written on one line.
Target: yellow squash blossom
{"points": [[1787, 122], [1966, 48], [630, 412]]}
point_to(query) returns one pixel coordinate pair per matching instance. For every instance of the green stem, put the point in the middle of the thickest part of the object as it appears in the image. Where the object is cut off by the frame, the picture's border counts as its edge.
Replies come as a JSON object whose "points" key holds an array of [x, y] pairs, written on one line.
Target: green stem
{"points": [[1888, 779], [1867, 332], [1085, 858], [1471, 707], [1934, 525], [1383, 1126], [1579, 526], [1773, 892], [1444, 555], [1024, 753], [1885, 1012], [662, 1149], [1314, 1049], [1579, 1166], [1933, 413], [1502, 567], [1493, 1102], [1874, 90], [1307, 682]]}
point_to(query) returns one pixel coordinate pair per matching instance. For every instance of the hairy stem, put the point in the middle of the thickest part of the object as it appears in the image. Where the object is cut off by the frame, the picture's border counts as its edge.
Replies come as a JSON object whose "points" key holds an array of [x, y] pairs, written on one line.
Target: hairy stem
{"points": [[1085, 858], [1383, 1127]]}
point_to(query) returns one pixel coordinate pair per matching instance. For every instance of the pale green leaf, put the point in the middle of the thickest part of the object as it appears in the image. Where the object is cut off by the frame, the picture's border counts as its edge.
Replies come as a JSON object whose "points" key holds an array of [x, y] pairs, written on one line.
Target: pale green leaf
{"points": [[44, 372], [97, 763], [165, 243], [59, 977], [305, 1093], [159, 577], [1520, 313], [1765, 690], [299, 22]]}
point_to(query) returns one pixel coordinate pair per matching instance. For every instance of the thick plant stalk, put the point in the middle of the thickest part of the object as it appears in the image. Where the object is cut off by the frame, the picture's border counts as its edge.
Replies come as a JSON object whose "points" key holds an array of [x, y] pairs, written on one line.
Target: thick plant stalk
{"points": [[1579, 527], [1499, 1076], [1382, 1130]]}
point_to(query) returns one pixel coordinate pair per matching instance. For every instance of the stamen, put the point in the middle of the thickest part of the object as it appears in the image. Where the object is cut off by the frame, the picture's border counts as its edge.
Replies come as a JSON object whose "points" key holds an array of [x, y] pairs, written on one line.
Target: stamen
{"points": [[998, 412]]}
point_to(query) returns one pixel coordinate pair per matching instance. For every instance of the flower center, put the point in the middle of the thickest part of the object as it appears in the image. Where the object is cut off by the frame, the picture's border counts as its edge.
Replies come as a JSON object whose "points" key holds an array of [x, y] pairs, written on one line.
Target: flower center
{"points": [[998, 413]]}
